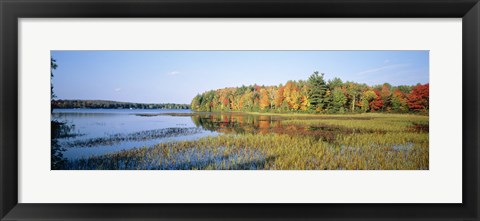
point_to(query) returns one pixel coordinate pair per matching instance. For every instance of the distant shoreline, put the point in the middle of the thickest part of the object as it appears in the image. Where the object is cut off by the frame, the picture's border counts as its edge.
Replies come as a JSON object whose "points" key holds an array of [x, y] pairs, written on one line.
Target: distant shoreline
{"points": [[107, 104]]}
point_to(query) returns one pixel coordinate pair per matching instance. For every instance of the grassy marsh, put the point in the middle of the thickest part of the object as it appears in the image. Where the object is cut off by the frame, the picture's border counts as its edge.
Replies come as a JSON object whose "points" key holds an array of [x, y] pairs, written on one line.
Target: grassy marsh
{"points": [[285, 142]]}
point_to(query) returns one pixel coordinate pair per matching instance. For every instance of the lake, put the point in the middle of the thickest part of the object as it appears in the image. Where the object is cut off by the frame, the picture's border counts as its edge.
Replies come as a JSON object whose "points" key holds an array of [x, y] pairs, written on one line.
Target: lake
{"points": [[102, 131]]}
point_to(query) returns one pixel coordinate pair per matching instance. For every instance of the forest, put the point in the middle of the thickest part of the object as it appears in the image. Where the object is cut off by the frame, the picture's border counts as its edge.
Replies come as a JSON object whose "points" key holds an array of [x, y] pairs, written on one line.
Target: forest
{"points": [[316, 95], [97, 104]]}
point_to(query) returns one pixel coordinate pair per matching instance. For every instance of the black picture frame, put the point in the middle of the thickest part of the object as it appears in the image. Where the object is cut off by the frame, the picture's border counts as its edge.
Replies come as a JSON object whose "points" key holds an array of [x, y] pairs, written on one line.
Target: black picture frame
{"points": [[12, 10]]}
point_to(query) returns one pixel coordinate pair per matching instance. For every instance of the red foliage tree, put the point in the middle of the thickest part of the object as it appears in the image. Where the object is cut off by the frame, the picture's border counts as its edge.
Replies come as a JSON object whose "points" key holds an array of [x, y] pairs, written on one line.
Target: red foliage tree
{"points": [[377, 103], [226, 102], [418, 98]]}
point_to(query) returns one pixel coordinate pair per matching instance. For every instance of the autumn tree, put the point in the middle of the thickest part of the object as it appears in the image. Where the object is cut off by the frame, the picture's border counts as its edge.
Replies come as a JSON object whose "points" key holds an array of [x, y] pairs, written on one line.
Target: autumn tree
{"points": [[419, 97], [386, 96], [292, 95], [367, 97], [354, 92], [264, 99], [377, 103], [279, 97], [196, 102], [305, 102], [272, 93], [247, 100], [399, 102]]}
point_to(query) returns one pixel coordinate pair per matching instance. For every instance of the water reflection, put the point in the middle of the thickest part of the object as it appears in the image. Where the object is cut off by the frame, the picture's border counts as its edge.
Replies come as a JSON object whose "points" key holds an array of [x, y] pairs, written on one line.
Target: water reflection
{"points": [[229, 123], [97, 132], [101, 131]]}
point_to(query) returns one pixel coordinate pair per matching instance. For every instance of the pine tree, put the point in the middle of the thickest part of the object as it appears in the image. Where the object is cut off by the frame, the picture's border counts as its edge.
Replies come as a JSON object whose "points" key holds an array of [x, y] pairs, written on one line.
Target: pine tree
{"points": [[317, 90]]}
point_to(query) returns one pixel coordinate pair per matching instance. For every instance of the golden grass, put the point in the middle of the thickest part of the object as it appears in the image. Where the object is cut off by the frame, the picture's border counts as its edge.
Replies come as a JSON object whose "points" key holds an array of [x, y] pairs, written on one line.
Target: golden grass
{"points": [[372, 121], [379, 142]]}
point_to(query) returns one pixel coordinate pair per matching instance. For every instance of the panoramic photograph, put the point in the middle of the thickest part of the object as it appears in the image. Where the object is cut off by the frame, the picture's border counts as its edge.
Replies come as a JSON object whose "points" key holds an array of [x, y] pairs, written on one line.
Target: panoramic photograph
{"points": [[239, 110]]}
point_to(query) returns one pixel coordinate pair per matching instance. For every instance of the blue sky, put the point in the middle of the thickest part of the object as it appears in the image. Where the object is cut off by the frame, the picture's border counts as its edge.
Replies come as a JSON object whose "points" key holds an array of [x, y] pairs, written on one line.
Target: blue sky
{"points": [[177, 76]]}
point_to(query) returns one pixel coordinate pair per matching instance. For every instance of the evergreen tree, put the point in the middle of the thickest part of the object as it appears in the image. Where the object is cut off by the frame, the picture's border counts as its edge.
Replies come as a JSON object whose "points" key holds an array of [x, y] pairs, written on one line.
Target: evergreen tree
{"points": [[317, 91], [338, 100]]}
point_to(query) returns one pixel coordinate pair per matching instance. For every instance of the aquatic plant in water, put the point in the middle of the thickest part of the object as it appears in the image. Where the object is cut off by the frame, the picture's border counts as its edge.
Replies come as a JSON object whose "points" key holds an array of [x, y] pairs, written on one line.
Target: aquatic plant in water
{"points": [[137, 136]]}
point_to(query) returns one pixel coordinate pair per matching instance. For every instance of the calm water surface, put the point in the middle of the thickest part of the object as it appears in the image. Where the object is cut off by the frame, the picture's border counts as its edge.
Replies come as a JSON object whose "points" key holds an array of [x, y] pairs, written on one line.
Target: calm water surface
{"points": [[102, 131]]}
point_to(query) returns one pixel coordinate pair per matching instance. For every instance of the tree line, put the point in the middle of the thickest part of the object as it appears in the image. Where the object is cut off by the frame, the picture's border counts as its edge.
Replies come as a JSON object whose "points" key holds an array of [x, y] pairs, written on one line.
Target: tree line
{"points": [[97, 104], [316, 95]]}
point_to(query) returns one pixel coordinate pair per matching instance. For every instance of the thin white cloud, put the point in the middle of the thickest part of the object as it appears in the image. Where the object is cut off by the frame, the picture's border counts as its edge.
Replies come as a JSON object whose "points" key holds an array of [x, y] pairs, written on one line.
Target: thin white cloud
{"points": [[174, 73], [382, 68], [117, 89], [386, 61]]}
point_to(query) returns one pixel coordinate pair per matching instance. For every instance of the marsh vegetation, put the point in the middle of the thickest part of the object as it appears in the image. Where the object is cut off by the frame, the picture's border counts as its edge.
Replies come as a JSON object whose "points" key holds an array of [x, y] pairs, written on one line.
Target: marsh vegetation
{"points": [[242, 141]]}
